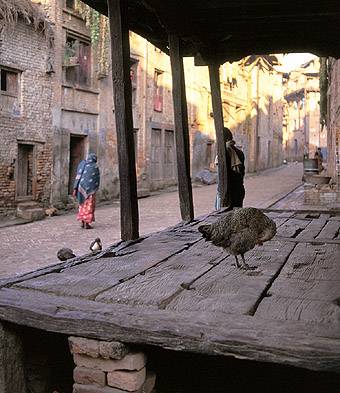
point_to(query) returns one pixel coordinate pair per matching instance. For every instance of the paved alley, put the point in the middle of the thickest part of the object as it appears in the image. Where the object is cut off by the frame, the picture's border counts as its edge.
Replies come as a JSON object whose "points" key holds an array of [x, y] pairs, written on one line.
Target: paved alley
{"points": [[30, 246]]}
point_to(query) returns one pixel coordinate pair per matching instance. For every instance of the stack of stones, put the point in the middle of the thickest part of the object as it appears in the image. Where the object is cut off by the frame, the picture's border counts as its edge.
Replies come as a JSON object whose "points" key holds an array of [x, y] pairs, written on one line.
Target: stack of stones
{"points": [[109, 367], [320, 194]]}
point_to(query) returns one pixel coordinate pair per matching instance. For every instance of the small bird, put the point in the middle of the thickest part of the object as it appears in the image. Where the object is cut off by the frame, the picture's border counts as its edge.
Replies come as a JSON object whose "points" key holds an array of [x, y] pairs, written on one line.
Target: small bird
{"points": [[65, 253], [96, 245], [239, 231]]}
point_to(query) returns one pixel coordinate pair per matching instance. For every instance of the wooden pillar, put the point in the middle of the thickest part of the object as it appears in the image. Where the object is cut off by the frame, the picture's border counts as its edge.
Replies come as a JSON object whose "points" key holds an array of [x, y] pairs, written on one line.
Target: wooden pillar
{"points": [[12, 375], [181, 129], [214, 74], [120, 49]]}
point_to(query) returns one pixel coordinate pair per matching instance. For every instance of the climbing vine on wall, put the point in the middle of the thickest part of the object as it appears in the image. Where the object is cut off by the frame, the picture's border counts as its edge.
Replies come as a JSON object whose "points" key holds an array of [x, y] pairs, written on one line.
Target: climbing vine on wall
{"points": [[98, 25]]}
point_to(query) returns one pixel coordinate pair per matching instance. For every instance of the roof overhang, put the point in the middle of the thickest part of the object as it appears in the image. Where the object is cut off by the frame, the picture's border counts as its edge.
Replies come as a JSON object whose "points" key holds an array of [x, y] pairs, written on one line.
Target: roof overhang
{"points": [[220, 30]]}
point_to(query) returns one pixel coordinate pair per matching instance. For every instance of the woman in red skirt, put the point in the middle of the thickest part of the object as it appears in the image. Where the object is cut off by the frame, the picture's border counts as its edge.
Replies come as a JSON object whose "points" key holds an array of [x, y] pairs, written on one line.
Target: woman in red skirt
{"points": [[85, 187]]}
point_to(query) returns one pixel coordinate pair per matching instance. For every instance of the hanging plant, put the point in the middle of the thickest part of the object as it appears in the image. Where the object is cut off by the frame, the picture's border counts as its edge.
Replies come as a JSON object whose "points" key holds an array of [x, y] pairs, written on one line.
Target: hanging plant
{"points": [[99, 32]]}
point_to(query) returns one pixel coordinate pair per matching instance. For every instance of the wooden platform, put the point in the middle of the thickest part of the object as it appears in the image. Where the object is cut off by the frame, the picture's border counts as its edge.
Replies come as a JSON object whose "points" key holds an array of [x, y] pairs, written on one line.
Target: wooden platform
{"points": [[174, 290]]}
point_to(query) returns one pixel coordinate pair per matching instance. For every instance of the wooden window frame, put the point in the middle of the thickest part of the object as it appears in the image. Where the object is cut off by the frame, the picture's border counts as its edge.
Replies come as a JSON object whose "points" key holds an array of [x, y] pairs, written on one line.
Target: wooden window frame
{"points": [[158, 91], [5, 93], [67, 64]]}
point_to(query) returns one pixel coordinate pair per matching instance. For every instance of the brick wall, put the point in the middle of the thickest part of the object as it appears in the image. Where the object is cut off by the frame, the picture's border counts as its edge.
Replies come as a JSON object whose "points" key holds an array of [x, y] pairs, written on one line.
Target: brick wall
{"points": [[28, 118]]}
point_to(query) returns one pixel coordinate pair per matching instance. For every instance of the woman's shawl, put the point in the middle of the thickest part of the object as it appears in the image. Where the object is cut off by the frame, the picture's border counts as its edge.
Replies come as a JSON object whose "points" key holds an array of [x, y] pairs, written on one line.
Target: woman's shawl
{"points": [[235, 162], [87, 179]]}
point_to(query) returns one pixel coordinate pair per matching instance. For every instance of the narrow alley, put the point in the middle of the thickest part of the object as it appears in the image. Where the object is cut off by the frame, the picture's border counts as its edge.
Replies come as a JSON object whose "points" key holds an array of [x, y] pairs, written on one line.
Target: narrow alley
{"points": [[34, 245]]}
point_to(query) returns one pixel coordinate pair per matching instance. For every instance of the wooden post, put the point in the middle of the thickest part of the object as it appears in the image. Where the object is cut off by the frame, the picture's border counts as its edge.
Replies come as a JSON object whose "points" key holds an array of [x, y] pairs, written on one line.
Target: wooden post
{"points": [[12, 375], [120, 48], [181, 129], [214, 74]]}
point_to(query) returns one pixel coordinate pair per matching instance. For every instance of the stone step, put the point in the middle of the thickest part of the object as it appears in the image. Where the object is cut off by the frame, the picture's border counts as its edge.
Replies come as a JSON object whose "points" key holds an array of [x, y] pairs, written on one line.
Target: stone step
{"points": [[31, 214], [143, 192], [27, 205]]}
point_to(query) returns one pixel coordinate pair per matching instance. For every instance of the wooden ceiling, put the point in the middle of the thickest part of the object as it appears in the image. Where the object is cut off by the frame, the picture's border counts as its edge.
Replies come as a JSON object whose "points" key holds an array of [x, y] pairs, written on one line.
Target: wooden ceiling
{"points": [[220, 30]]}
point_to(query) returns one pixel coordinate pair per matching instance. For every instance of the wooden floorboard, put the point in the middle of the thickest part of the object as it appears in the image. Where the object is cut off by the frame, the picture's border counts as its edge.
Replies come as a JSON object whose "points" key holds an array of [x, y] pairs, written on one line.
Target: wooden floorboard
{"points": [[165, 280], [313, 262], [175, 290]]}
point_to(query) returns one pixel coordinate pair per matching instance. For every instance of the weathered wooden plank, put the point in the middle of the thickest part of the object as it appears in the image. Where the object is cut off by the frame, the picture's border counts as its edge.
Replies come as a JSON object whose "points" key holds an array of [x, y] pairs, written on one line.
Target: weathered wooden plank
{"points": [[94, 277], [313, 262], [292, 227], [214, 75], [313, 346], [58, 267], [330, 231], [166, 280], [312, 229], [181, 129], [295, 309], [12, 375], [226, 289], [310, 290], [120, 52]]}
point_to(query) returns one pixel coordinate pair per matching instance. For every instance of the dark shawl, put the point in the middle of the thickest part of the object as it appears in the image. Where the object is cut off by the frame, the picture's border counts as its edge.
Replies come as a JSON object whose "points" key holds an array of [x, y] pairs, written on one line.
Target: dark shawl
{"points": [[87, 179]]}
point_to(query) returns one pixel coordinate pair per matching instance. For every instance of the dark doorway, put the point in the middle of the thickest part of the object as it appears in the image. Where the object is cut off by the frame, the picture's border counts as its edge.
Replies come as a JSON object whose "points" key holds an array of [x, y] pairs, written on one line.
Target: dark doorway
{"points": [[25, 174], [77, 153]]}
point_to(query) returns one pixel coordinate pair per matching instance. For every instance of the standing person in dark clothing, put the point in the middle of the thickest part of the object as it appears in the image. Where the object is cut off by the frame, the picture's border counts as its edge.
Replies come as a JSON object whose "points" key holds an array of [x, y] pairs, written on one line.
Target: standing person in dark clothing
{"points": [[236, 171]]}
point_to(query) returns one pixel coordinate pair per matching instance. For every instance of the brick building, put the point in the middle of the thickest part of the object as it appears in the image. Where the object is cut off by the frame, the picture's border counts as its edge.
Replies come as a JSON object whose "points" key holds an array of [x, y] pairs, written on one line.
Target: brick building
{"points": [[333, 122], [25, 108], [64, 109], [302, 133]]}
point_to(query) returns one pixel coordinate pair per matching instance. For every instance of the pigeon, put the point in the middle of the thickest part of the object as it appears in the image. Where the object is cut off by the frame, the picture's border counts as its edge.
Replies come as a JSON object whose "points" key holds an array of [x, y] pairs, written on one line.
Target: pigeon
{"points": [[65, 253], [96, 245]]}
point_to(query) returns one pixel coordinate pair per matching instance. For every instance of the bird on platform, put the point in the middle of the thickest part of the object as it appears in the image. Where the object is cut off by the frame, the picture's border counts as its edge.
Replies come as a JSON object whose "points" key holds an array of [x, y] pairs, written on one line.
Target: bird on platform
{"points": [[239, 231], [65, 253], [96, 245]]}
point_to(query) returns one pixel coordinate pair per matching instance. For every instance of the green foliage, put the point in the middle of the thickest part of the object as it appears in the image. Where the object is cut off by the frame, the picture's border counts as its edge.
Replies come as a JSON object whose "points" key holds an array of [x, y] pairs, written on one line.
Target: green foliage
{"points": [[98, 26]]}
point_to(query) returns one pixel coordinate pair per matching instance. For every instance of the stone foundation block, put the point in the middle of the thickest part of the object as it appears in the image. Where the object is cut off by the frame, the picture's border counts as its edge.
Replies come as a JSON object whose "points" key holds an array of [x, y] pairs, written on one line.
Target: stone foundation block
{"points": [[127, 380], [132, 361], [84, 346], [112, 350], [96, 389], [87, 376]]}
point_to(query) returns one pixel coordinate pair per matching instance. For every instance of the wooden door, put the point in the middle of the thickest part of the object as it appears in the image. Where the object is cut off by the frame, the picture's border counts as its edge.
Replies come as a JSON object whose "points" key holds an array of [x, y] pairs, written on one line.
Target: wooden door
{"points": [[77, 153], [169, 155], [25, 171], [156, 154]]}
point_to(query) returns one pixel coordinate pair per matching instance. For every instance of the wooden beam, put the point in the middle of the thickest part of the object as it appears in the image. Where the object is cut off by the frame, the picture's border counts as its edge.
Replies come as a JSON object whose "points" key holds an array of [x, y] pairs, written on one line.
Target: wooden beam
{"points": [[181, 129], [214, 74], [120, 49], [310, 345]]}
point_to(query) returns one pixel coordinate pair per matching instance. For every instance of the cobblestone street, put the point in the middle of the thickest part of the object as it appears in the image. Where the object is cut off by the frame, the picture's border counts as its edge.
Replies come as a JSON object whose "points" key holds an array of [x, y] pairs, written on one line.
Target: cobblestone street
{"points": [[30, 246]]}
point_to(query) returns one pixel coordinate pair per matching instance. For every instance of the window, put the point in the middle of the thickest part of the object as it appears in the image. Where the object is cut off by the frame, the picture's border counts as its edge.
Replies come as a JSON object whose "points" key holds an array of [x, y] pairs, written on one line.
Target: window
{"points": [[158, 91], [77, 61], [133, 76], [9, 90], [70, 4], [9, 82]]}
